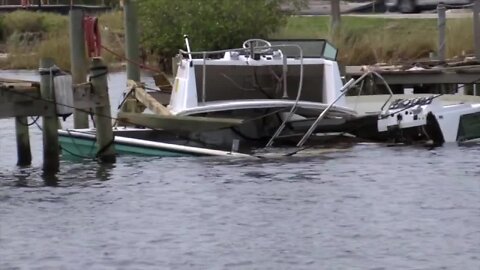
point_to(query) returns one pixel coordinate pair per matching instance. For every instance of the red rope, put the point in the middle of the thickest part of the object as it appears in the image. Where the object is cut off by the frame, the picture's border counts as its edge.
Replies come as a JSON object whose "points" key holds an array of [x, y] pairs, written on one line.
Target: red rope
{"points": [[94, 43], [92, 36], [25, 3]]}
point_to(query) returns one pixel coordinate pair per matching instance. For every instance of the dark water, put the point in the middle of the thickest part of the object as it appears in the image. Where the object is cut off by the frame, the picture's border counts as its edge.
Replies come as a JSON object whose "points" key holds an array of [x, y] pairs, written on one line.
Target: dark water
{"points": [[365, 207]]}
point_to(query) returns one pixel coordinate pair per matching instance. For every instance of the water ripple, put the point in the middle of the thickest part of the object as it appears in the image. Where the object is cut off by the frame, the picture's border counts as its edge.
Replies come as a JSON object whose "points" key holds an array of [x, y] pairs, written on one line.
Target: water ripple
{"points": [[362, 207]]}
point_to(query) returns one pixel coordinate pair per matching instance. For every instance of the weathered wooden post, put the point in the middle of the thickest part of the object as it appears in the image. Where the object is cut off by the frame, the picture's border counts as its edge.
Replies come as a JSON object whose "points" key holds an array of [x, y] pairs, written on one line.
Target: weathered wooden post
{"points": [[103, 119], [132, 39], [51, 149], [24, 154], [78, 60], [334, 17], [441, 23], [476, 36], [476, 28], [132, 50]]}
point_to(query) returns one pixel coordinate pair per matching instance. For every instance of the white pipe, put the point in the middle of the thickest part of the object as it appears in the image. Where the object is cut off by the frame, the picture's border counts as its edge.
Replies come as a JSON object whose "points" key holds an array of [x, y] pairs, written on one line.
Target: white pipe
{"points": [[188, 47]]}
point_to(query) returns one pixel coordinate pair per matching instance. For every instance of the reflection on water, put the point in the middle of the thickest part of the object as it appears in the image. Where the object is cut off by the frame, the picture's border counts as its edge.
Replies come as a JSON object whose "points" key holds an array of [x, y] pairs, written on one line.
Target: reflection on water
{"points": [[116, 83], [363, 207], [368, 207], [71, 174]]}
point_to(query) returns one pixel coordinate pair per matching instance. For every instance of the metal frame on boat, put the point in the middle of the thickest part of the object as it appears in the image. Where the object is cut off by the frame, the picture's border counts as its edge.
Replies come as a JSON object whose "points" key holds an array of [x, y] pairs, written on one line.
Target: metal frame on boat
{"points": [[259, 89]]}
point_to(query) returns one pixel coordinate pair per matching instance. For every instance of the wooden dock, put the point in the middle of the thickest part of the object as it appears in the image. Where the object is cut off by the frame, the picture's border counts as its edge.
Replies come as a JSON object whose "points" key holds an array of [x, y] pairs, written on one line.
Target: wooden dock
{"points": [[464, 75], [23, 99], [445, 77], [61, 9]]}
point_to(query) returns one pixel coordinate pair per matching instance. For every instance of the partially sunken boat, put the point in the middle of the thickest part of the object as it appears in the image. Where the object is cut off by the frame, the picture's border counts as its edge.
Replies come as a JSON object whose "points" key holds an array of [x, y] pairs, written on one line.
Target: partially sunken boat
{"points": [[236, 100], [268, 94]]}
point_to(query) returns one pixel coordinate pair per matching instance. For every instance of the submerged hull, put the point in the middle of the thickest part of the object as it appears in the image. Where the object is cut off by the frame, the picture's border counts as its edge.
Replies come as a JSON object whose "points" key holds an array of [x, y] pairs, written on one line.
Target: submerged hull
{"points": [[81, 143], [427, 120]]}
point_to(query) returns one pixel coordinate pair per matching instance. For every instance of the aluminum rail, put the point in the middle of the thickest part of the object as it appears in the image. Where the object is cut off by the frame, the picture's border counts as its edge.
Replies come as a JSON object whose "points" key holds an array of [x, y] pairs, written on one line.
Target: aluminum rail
{"points": [[297, 99], [284, 60], [344, 91]]}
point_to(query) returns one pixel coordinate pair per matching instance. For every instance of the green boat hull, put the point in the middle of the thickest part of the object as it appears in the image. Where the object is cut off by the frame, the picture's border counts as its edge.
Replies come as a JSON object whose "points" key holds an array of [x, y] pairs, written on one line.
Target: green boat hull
{"points": [[87, 148]]}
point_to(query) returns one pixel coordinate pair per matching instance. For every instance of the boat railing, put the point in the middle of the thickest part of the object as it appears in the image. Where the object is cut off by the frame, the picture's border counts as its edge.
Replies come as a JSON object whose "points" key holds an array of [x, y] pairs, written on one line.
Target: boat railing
{"points": [[344, 90], [204, 55], [349, 85], [245, 50]]}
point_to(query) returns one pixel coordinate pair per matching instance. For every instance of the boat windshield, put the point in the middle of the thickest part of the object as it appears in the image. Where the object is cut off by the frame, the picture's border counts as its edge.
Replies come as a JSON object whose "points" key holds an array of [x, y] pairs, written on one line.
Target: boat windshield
{"points": [[469, 127], [312, 48]]}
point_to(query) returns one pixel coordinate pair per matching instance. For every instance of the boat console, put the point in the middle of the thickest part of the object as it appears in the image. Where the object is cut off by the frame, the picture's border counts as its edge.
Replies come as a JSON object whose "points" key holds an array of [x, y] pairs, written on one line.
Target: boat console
{"points": [[426, 119], [406, 113]]}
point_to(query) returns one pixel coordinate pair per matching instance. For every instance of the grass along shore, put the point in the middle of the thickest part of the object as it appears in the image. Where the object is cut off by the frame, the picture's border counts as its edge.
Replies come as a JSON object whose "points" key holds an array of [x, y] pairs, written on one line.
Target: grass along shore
{"points": [[363, 40], [28, 36]]}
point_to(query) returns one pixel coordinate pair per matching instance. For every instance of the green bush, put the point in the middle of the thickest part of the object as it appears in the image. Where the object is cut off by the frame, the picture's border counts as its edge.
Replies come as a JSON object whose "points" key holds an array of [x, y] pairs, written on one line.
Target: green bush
{"points": [[27, 21], [23, 21], [52, 22], [213, 24]]}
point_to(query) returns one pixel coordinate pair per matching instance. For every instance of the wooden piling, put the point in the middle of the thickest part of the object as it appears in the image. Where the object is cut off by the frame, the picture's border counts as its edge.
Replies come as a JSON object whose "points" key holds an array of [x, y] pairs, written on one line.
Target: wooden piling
{"points": [[132, 39], [103, 119], [476, 28], [441, 23], [334, 17], [78, 60], [24, 154], [51, 149]]}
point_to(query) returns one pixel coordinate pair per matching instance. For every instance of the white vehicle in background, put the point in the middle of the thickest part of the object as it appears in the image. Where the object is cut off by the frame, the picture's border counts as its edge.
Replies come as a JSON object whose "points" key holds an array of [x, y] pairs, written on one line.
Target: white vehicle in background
{"points": [[409, 6]]}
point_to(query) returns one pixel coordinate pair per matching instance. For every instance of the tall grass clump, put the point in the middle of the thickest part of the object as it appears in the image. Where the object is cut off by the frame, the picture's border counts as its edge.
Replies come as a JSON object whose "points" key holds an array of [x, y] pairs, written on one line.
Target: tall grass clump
{"points": [[23, 21], [33, 35], [28, 21], [363, 40], [459, 41], [113, 20], [112, 32], [26, 54], [21, 54], [57, 46], [372, 40], [52, 22]]}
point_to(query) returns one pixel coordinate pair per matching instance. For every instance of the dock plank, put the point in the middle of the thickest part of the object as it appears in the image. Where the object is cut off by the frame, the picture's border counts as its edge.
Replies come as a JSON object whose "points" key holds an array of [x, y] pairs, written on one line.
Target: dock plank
{"points": [[448, 75], [178, 123]]}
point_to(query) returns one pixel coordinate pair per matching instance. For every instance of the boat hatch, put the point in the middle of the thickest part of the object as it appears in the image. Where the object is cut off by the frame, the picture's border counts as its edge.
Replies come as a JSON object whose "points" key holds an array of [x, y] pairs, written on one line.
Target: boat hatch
{"points": [[469, 127]]}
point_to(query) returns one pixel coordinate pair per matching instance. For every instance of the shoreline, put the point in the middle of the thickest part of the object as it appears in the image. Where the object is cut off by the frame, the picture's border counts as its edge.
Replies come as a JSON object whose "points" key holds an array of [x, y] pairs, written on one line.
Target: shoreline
{"points": [[361, 40]]}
